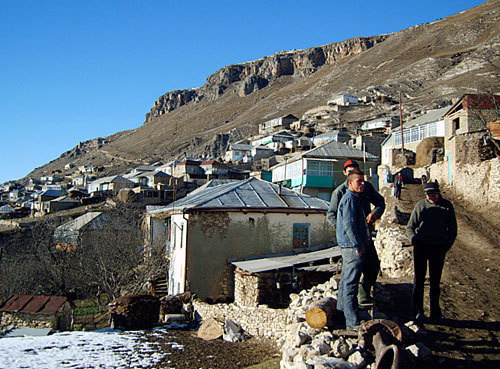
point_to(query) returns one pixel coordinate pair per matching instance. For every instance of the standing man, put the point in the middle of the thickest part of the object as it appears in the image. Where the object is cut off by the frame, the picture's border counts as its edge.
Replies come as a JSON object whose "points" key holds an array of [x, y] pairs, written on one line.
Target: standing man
{"points": [[352, 237], [369, 196], [432, 229], [399, 184]]}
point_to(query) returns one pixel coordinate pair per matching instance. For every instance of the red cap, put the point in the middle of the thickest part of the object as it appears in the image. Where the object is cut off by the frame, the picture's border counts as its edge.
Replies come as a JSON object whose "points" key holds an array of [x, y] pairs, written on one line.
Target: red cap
{"points": [[351, 163]]}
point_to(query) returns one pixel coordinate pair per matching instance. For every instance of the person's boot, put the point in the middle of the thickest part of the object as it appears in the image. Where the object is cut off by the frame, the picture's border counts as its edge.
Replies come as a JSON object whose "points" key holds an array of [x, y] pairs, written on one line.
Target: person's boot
{"points": [[364, 297]]}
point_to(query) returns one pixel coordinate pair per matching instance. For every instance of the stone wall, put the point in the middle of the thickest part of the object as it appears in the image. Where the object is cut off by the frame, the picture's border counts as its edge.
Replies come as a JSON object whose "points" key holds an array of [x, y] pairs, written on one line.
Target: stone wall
{"points": [[257, 320], [396, 260], [477, 183], [28, 320]]}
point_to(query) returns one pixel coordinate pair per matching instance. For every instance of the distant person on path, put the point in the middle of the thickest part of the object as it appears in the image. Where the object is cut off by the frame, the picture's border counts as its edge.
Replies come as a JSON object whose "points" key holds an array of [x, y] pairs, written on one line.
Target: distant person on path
{"points": [[352, 237], [399, 184], [369, 196], [432, 229]]}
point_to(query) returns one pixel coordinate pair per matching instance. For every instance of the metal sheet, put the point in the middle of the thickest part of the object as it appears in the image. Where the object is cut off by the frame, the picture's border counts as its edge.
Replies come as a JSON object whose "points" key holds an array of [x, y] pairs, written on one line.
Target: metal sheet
{"points": [[35, 304], [16, 303], [53, 305], [285, 261]]}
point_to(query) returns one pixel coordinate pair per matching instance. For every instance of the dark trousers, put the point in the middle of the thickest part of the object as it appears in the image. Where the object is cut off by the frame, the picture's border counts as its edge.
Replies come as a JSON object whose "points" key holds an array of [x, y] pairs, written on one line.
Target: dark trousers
{"points": [[371, 266], [433, 255]]}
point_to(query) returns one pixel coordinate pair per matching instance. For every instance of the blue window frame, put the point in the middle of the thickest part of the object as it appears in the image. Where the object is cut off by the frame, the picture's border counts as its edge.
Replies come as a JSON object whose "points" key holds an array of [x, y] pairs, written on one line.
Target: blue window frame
{"points": [[301, 235]]}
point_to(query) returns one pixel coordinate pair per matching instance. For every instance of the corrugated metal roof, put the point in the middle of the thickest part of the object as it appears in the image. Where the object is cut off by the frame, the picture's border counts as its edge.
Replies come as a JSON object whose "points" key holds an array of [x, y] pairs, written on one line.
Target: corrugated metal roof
{"points": [[429, 117], [334, 149], [84, 220], [241, 147], [34, 304], [286, 261], [252, 193]]}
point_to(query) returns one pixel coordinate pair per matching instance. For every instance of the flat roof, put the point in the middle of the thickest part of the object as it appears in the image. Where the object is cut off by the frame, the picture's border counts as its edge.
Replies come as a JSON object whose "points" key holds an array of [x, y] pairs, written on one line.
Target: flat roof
{"points": [[285, 261]]}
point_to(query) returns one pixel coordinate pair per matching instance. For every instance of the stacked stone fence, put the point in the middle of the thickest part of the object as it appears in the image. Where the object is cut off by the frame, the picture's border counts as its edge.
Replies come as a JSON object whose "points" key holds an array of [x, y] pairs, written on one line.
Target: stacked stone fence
{"points": [[256, 320]]}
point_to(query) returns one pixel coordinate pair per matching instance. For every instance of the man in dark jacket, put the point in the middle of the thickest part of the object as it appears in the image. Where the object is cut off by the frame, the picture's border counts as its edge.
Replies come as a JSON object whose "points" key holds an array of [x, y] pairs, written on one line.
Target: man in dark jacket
{"points": [[352, 237], [432, 229], [371, 265]]}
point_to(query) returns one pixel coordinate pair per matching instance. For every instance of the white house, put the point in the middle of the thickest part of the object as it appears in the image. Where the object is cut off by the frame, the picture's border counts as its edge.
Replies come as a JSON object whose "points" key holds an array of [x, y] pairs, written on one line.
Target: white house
{"points": [[238, 151], [110, 183], [212, 226], [430, 124], [382, 124], [344, 99]]}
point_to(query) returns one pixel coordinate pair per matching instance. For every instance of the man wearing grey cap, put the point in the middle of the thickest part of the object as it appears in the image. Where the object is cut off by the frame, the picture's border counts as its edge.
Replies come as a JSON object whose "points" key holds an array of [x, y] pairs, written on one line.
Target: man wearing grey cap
{"points": [[432, 229]]}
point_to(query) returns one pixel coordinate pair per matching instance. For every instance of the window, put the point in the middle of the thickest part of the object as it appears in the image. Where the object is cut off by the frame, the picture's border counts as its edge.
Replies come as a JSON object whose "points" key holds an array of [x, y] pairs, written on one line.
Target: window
{"points": [[301, 235], [319, 168]]}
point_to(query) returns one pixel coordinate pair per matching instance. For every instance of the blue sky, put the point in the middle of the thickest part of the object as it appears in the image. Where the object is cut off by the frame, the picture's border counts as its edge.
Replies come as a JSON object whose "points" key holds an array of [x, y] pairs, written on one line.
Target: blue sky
{"points": [[79, 69]]}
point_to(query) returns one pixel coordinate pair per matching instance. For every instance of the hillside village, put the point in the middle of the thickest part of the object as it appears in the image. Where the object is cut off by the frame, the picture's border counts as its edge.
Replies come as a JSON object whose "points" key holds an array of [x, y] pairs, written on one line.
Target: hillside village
{"points": [[211, 216], [254, 218]]}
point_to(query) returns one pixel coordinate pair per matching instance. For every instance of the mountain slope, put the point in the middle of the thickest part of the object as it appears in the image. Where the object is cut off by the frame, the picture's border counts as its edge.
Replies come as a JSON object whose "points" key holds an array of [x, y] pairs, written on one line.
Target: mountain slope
{"points": [[430, 64]]}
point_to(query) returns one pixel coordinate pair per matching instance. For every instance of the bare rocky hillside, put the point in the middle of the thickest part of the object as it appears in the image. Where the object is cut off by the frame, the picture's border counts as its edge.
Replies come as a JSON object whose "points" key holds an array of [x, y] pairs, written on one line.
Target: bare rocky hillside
{"points": [[431, 64]]}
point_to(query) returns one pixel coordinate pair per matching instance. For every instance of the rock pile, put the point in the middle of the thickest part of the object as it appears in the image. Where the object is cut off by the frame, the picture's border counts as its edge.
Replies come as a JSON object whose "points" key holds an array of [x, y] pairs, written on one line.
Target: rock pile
{"points": [[396, 259]]}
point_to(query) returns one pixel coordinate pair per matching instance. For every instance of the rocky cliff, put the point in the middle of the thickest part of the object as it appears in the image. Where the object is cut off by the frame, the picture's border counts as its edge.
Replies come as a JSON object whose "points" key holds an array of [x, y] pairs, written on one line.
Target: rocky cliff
{"points": [[255, 75]]}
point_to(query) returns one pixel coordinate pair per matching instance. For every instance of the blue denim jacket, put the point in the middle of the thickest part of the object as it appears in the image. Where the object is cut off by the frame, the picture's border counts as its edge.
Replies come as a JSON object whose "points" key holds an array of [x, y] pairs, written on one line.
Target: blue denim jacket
{"points": [[351, 223]]}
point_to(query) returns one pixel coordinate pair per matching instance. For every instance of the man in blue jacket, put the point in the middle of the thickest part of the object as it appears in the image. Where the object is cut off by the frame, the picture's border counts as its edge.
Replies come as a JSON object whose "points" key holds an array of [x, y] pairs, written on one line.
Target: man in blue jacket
{"points": [[352, 237], [368, 197]]}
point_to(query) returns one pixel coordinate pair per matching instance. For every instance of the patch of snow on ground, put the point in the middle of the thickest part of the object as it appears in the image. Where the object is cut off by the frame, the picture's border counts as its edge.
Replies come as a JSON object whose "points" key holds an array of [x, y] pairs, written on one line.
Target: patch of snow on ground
{"points": [[97, 349]]}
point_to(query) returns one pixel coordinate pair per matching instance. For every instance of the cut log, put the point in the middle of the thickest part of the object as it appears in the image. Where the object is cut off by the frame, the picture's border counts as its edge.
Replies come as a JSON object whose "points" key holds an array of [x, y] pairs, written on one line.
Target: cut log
{"points": [[210, 329], [173, 304], [321, 313]]}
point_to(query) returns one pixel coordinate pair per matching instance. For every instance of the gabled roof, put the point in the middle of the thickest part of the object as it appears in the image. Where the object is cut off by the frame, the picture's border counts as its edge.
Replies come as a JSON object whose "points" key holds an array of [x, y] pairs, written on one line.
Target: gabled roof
{"points": [[34, 304], [331, 133], [51, 192], [91, 220], [429, 117], [6, 209], [65, 199], [252, 193], [112, 179]]}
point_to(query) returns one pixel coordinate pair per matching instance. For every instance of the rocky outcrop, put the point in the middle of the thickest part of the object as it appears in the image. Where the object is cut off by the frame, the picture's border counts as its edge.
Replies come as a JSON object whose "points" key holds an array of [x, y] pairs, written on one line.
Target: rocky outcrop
{"points": [[255, 75]]}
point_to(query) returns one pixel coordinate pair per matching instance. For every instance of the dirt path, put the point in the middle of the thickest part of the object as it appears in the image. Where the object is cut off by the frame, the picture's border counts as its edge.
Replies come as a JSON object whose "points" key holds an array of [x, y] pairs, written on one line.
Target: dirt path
{"points": [[470, 293]]}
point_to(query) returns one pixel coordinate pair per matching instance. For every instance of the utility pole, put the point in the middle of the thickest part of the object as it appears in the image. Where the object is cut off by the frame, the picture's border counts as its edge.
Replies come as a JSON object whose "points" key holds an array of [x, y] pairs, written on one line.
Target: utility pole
{"points": [[401, 124]]}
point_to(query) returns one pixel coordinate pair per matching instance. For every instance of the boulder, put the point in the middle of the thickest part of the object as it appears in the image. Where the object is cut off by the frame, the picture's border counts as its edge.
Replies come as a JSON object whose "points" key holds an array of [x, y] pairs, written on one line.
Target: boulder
{"points": [[134, 312], [210, 329]]}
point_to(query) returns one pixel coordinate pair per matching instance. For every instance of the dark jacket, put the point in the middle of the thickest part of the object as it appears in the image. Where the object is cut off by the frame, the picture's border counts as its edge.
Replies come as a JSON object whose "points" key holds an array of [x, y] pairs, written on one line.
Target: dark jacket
{"points": [[351, 225], [433, 224], [367, 197]]}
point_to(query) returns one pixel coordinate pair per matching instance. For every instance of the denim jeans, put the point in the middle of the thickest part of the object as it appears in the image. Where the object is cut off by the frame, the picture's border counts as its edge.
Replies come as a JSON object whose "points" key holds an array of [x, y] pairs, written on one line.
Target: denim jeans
{"points": [[347, 298]]}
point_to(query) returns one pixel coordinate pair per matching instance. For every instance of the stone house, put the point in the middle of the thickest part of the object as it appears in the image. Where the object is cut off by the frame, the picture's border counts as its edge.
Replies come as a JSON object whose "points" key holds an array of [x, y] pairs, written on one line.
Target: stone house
{"points": [[60, 203], [466, 120], [318, 172], [70, 235], [236, 220], [430, 124], [188, 169], [37, 311], [277, 123]]}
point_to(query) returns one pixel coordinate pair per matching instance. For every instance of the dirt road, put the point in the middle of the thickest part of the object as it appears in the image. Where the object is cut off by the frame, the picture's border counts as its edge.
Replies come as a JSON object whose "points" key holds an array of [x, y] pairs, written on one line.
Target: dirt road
{"points": [[470, 293]]}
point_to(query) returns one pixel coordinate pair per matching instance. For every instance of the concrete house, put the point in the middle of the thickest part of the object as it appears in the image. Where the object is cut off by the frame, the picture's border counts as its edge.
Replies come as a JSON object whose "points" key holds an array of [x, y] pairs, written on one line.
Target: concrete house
{"points": [[110, 184], [242, 219], [343, 99], [318, 172], [380, 124], [277, 123], [237, 152], [430, 124], [275, 141], [336, 135], [467, 119]]}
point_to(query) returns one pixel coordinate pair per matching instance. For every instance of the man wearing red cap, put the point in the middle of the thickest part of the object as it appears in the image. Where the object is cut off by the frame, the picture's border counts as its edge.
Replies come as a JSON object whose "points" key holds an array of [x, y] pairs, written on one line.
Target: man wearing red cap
{"points": [[369, 196]]}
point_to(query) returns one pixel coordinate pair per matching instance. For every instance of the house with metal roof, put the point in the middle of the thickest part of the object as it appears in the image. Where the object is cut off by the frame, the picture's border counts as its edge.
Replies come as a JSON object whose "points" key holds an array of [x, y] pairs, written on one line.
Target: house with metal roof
{"points": [[69, 235], [237, 152], [335, 135], [235, 220], [318, 172], [110, 184], [430, 124], [37, 311]]}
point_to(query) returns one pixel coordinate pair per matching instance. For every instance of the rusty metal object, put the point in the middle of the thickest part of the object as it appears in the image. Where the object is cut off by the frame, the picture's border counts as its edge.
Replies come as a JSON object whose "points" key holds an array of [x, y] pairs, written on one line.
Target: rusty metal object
{"points": [[384, 337]]}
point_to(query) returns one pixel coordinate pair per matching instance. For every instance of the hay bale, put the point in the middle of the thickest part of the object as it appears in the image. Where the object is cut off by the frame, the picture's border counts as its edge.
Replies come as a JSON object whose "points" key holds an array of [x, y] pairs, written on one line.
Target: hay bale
{"points": [[426, 150]]}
